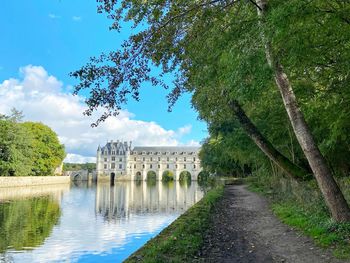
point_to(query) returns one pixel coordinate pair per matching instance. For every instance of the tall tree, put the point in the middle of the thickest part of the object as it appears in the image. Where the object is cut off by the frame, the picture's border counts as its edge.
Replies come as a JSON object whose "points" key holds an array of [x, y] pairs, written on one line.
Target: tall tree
{"points": [[333, 196], [16, 149], [48, 151]]}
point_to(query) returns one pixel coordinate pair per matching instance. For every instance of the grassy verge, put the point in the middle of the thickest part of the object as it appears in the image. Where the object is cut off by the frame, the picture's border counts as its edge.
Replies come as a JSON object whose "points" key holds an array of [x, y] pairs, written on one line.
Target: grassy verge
{"points": [[181, 240], [301, 206]]}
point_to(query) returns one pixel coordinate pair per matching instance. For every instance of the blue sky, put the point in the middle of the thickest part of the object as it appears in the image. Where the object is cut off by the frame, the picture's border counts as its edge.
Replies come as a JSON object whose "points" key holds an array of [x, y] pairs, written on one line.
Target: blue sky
{"points": [[42, 41]]}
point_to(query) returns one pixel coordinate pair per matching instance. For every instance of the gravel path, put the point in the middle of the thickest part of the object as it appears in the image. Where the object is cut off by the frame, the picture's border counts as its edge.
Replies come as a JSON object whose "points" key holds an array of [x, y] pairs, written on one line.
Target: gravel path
{"points": [[245, 230]]}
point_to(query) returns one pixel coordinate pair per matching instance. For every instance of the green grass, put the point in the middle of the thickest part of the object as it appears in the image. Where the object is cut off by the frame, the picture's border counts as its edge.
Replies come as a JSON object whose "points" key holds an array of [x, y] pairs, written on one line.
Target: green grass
{"points": [[181, 240], [302, 207]]}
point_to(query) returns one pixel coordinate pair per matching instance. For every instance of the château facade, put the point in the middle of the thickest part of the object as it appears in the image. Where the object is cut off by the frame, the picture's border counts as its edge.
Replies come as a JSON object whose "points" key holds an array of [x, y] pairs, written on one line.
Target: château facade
{"points": [[119, 161]]}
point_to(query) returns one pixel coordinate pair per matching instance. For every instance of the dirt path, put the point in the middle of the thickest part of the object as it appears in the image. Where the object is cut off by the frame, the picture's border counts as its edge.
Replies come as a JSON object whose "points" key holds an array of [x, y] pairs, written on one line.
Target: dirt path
{"points": [[247, 231]]}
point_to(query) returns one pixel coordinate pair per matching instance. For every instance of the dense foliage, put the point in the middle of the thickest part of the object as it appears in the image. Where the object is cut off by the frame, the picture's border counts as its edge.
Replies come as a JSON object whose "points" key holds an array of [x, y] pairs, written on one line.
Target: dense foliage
{"points": [[28, 148], [48, 152]]}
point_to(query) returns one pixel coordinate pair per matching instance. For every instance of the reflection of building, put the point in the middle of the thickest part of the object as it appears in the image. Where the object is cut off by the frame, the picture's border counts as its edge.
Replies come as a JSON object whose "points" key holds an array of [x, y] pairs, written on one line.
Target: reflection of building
{"points": [[127, 199], [119, 161]]}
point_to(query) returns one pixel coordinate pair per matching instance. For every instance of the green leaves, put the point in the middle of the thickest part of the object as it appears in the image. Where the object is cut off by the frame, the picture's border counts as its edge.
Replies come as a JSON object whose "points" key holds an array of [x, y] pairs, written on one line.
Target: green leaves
{"points": [[48, 153], [28, 148]]}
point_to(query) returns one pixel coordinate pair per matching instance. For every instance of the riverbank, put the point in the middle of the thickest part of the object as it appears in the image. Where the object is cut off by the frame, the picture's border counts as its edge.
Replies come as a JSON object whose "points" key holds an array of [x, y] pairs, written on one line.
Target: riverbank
{"points": [[181, 241], [23, 181]]}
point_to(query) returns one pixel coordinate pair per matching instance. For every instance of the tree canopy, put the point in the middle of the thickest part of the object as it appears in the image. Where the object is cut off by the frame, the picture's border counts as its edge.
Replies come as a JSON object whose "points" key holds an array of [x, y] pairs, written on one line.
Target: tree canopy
{"points": [[28, 148]]}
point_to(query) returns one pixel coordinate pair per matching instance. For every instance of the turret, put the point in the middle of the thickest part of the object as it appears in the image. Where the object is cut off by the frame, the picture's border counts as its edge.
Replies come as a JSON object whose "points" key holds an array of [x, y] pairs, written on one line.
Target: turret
{"points": [[98, 159]]}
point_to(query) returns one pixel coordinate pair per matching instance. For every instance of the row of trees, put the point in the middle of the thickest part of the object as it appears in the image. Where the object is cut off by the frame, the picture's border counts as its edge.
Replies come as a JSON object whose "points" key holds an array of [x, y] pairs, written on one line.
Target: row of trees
{"points": [[79, 166], [270, 77], [28, 148]]}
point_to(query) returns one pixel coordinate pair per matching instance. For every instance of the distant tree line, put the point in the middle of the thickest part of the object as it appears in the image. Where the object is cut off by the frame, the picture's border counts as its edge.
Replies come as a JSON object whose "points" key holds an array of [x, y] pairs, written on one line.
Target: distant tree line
{"points": [[28, 148], [79, 166]]}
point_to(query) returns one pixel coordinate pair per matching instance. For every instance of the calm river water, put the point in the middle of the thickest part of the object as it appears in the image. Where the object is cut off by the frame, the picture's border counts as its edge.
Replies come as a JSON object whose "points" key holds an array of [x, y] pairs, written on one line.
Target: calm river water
{"points": [[87, 223]]}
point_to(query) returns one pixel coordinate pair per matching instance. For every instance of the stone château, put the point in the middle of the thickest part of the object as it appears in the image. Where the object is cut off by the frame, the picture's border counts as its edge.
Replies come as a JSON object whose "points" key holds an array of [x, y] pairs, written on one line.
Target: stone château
{"points": [[117, 160]]}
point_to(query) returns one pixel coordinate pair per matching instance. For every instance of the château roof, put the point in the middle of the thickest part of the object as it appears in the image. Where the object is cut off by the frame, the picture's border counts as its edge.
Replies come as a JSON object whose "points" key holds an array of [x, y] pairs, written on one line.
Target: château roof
{"points": [[121, 147], [118, 146]]}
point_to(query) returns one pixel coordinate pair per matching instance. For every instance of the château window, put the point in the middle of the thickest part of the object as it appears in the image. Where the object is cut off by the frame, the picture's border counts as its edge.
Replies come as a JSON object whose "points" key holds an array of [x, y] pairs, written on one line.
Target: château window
{"points": [[143, 166], [194, 159], [150, 166], [158, 159], [134, 166], [143, 159], [176, 166], [158, 166], [135, 159], [151, 159], [113, 158], [113, 165], [167, 166], [184, 159], [105, 159], [184, 166], [105, 166], [120, 159], [167, 159], [120, 166], [113, 152], [176, 159], [194, 166]]}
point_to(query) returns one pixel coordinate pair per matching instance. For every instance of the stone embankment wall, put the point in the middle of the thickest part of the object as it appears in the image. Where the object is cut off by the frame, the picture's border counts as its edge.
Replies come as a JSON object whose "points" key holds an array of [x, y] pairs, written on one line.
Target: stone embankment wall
{"points": [[20, 192], [32, 180]]}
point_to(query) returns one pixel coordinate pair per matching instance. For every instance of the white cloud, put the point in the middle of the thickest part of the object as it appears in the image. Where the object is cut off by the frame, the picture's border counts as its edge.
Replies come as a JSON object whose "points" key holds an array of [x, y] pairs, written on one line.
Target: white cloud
{"points": [[42, 98], [76, 18], [54, 16], [185, 130], [77, 158], [193, 143]]}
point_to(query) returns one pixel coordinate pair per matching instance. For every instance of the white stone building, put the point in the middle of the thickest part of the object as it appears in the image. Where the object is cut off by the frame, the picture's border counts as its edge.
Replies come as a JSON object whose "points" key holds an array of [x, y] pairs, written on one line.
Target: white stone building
{"points": [[119, 161]]}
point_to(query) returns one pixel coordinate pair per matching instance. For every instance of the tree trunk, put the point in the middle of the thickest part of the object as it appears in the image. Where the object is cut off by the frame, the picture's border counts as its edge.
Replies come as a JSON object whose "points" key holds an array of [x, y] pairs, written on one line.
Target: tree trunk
{"points": [[333, 196], [279, 159]]}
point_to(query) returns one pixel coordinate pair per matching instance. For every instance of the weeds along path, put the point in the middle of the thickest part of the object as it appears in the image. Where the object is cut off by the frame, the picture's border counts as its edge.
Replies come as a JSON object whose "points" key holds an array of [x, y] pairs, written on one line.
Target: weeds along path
{"points": [[245, 230]]}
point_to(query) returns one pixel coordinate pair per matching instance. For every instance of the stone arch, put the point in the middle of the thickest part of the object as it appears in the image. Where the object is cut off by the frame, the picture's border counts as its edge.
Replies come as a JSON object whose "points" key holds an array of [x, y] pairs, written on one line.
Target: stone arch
{"points": [[185, 176], [138, 176], [168, 176], [151, 176], [77, 177], [112, 178]]}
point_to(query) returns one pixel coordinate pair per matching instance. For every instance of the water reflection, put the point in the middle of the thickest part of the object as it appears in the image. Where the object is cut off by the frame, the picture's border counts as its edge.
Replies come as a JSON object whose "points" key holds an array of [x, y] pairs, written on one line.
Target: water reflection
{"points": [[125, 199], [98, 223], [25, 224]]}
